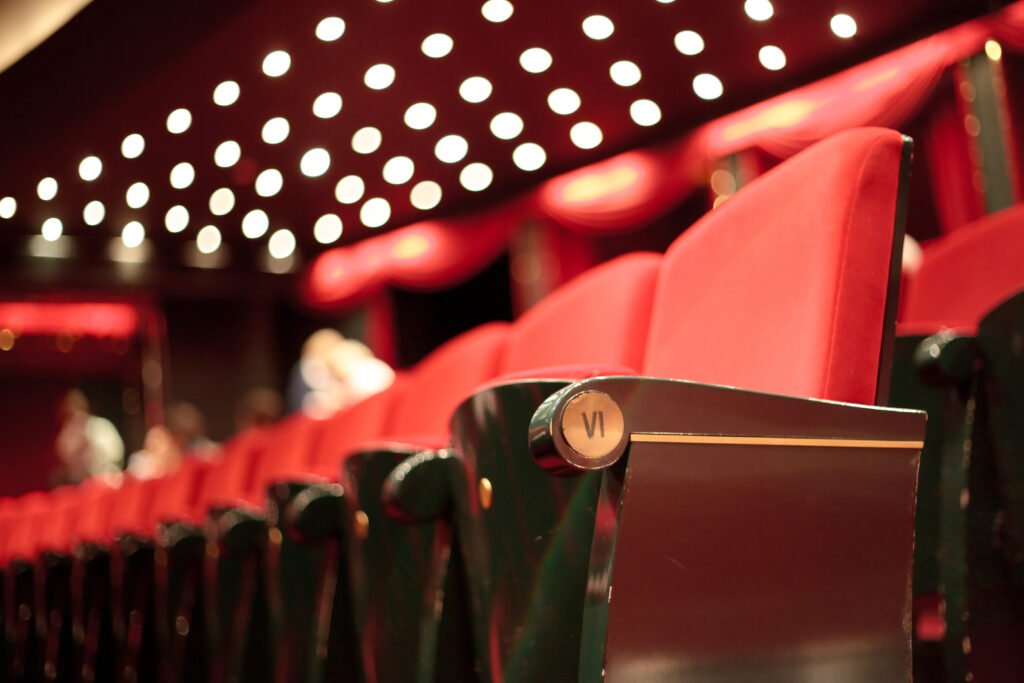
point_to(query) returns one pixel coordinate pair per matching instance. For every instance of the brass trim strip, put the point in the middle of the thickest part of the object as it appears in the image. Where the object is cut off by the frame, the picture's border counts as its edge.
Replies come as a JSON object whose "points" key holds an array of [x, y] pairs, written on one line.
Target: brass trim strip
{"points": [[717, 440]]}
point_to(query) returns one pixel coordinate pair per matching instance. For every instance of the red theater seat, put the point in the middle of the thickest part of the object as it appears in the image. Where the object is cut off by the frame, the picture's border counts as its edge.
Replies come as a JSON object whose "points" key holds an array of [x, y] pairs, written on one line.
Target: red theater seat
{"points": [[439, 382], [599, 318], [966, 273], [784, 290], [789, 288]]}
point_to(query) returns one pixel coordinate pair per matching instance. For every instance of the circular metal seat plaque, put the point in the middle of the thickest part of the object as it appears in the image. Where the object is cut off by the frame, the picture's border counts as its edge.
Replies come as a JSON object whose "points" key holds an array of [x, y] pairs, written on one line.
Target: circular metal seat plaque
{"points": [[592, 424]]}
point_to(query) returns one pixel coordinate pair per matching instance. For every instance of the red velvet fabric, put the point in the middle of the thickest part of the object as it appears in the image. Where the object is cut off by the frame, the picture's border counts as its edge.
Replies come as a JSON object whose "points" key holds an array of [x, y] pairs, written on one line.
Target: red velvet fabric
{"points": [[178, 497], [966, 273], [288, 445], [783, 287], [134, 510], [28, 514], [364, 421], [230, 476], [598, 318], [93, 525], [442, 380]]}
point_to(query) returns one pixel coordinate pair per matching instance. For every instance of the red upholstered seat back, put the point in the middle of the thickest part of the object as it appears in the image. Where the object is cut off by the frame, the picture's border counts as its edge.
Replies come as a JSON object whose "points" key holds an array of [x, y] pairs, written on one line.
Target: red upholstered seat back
{"points": [[93, 524], [64, 505], [133, 511], [232, 474], [600, 317], [177, 496], [968, 272], [362, 422], [289, 445], [784, 287], [29, 516], [444, 378]]}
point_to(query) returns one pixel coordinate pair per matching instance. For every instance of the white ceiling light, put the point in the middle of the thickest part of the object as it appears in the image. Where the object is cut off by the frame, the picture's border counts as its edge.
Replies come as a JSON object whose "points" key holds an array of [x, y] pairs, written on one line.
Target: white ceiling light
{"points": [[771, 57], [420, 116], [625, 73], [226, 93], [269, 182], [90, 168], [281, 244], [47, 189], [330, 29], [506, 125], [315, 162], [52, 229], [375, 212], [759, 10], [137, 195], [327, 228], [227, 154], [585, 135], [366, 140], [275, 130], [176, 218], [132, 146], [94, 212], [182, 175], [476, 177], [379, 76], [535, 60], [563, 101], [497, 11], [208, 240], [451, 148], [689, 43], [327, 105], [475, 89], [222, 201], [437, 45], [8, 205], [179, 120], [277, 63], [398, 170], [707, 86], [529, 156], [645, 112], [598, 27], [349, 189], [843, 25], [255, 224], [425, 195], [133, 234]]}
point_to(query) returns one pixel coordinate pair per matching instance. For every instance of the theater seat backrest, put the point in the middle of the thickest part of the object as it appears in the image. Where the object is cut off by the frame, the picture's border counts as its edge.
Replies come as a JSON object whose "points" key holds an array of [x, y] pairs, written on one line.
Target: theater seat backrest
{"points": [[966, 273], [785, 287], [232, 473], [289, 444], [365, 421], [439, 382], [29, 515], [600, 317]]}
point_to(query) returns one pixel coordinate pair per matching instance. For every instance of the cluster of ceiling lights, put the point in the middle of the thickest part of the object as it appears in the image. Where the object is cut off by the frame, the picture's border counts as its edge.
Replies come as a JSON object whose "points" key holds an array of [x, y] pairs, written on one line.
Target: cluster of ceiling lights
{"points": [[450, 149]]}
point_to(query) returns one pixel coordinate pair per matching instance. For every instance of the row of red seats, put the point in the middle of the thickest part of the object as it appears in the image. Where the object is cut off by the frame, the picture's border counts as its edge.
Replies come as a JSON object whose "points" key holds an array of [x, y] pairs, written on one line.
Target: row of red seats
{"points": [[960, 310], [783, 289]]}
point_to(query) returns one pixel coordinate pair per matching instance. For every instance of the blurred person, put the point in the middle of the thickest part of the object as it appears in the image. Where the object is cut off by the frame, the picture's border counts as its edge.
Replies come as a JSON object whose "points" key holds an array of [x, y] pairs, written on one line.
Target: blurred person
{"points": [[165, 447], [188, 429], [334, 372], [259, 407], [159, 455], [86, 444]]}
